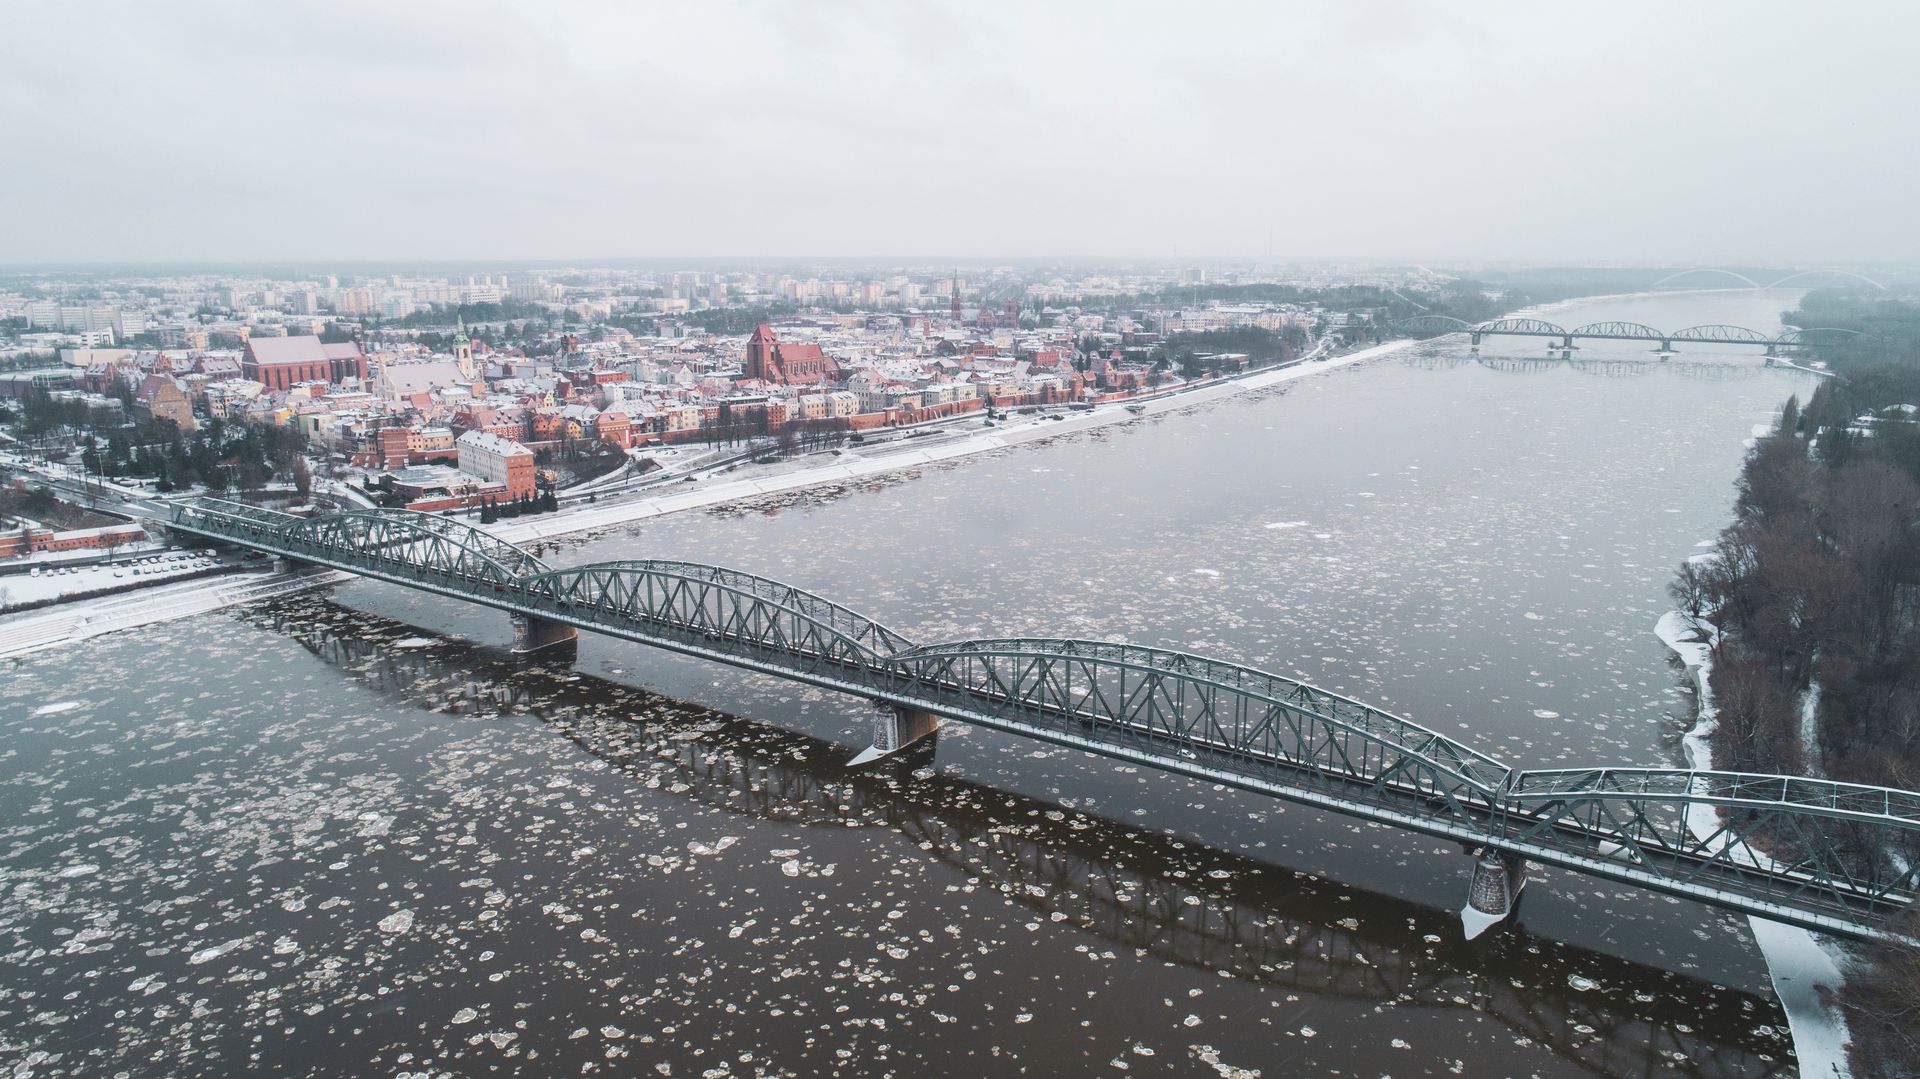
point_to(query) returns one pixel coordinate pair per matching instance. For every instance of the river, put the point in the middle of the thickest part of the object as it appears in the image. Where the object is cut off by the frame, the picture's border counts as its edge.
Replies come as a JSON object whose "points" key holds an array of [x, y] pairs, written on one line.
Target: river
{"points": [[346, 834]]}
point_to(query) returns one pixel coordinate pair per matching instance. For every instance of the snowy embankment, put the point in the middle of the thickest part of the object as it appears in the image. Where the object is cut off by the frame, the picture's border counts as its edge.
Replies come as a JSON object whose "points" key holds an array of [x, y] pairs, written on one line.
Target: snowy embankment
{"points": [[1806, 974], [70, 623], [855, 467], [144, 567]]}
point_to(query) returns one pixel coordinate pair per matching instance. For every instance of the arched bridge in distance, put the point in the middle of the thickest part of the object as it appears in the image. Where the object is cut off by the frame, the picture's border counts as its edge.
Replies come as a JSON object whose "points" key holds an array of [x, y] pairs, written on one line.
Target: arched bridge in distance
{"points": [[1835, 857], [1563, 338], [1802, 275]]}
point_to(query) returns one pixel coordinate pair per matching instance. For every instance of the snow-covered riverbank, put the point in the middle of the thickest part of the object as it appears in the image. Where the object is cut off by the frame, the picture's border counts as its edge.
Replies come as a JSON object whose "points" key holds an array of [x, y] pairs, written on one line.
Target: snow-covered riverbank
{"points": [[855, 466], [1806, 971]]}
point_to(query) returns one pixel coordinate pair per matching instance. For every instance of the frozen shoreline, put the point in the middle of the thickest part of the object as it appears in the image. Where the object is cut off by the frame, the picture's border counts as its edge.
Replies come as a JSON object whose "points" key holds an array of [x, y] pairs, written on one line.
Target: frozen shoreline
{"points": [[1800, 965]]}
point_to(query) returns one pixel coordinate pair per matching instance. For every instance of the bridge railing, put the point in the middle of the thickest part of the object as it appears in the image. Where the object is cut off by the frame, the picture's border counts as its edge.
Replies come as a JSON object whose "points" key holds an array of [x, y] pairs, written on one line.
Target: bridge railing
{"points": [[715, 607], [1234, 717], [1848, 850]]}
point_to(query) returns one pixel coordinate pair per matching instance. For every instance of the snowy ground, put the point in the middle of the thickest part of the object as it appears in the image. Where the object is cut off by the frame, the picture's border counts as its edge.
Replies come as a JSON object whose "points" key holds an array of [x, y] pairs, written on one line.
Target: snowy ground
{"points": [[68, 623], [1802, 965], [55, 581], [853, 466]]}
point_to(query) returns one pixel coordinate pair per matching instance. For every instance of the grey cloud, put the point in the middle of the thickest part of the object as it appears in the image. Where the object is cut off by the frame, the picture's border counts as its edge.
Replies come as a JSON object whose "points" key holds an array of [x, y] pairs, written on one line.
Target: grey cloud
{"points": [[527, 128]]}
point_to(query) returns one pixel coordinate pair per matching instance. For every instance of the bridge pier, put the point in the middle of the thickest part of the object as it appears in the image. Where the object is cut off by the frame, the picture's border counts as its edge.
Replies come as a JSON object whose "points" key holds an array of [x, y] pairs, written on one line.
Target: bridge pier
{"points": [[532, 634], [1498, 878], [895, 728]]}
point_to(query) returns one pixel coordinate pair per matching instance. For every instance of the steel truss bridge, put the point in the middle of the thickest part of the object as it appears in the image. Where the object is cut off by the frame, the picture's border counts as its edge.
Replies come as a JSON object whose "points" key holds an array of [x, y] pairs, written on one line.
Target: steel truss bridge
{"points": [[1563, 338], [1199, 908], [1834, 857]]}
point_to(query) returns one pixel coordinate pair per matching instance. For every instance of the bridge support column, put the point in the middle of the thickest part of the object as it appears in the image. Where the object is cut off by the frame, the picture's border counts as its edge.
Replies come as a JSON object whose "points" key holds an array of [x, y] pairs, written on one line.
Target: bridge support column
{"points": [[533, 634], [1498, 877], [894, 729]]}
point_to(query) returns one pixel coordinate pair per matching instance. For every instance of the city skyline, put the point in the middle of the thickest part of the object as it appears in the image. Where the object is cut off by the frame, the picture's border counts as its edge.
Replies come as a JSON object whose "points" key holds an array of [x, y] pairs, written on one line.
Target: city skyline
{"points": [[518, 132]]}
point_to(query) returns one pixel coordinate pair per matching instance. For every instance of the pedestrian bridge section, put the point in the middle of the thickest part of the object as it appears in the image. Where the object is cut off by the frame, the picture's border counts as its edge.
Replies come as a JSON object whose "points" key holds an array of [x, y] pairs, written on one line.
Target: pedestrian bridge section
{"points": [[1828, 856]]}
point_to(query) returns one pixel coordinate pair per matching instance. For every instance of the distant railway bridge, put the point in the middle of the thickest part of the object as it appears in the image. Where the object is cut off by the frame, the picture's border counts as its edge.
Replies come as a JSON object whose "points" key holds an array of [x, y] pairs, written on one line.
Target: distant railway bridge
{"points": [[1562, 338]]}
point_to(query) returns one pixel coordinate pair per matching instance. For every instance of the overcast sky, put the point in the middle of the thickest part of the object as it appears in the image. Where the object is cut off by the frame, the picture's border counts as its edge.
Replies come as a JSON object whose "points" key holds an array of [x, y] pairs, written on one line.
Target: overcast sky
{"points": [[1752, 132]]}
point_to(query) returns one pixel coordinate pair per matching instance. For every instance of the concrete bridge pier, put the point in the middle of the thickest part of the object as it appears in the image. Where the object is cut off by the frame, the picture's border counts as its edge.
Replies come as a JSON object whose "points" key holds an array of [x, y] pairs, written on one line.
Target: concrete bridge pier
{"points": [[894, 729], [533, 634], [1498, 878]]}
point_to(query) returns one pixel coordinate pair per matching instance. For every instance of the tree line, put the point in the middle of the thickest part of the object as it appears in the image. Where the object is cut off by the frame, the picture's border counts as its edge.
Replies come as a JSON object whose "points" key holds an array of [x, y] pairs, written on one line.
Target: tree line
{"points": [[523, 506], [1812, 597], [1196, 353]]}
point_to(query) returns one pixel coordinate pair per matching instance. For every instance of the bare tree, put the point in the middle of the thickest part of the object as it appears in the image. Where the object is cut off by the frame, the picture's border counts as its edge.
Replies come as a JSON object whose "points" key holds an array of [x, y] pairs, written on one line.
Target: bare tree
{"points": [[302, 477], [1883, 997], [1690, 589]]}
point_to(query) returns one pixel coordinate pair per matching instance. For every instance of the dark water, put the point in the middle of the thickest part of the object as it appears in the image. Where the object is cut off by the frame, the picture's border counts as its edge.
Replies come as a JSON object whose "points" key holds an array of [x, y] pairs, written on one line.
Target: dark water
{"points": [[347, 835]]}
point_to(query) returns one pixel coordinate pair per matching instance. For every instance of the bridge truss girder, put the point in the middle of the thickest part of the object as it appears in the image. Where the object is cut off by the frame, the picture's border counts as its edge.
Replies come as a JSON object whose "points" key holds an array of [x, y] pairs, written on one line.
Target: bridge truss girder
{"points": [[1521, 327], [717, 604], [1722, 334], [1619, 331], [1432, 324]]}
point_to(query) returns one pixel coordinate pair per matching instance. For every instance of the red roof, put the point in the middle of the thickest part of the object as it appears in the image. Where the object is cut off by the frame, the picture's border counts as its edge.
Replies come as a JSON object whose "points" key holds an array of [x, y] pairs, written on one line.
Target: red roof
{"points": [[275, 350]]}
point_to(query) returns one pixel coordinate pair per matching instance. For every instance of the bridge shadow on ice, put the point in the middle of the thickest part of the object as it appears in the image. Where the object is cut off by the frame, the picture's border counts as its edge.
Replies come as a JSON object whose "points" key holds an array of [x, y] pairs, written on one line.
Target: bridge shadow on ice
{"points": [[1173, 900]]}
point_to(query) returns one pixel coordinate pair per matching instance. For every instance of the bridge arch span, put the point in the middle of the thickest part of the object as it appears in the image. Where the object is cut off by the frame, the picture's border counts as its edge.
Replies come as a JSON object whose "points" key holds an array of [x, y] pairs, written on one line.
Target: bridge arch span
{"points": [[1835, 273], [1635, 330], [1132, 693], [716, 603], [1723, 334], [1750, 282], [1806, 335], [1432, 324], [424, 539], [1851, 848], [1521, 327]]}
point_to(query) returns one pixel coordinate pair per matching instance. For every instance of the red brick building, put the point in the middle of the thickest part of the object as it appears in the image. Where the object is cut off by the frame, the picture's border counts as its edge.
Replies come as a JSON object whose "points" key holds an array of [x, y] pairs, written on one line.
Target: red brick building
{"points": [[280, 363], [27, 540], [787, 364], [161, 398], [499, 460]]}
